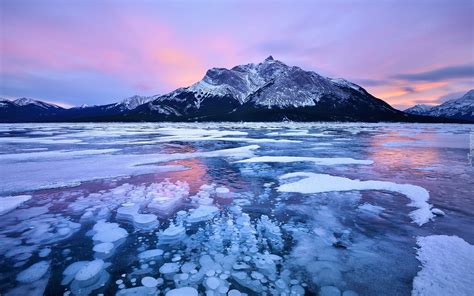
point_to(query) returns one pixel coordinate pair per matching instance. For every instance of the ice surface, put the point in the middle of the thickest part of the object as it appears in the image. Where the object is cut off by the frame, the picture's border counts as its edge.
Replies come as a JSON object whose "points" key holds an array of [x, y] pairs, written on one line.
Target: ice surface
{"points": [[316, 183], [57, 154], [447, 265], [37, 175], [315, 160], [225, 226], [10, 203]]}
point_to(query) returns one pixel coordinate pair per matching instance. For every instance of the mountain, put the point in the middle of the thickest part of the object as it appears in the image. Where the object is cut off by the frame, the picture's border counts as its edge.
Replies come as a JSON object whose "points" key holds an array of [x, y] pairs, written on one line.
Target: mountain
{"points": [[134, 101], [419, 109], [25, 109], [267, 91], [461, 108], [108, 112]]}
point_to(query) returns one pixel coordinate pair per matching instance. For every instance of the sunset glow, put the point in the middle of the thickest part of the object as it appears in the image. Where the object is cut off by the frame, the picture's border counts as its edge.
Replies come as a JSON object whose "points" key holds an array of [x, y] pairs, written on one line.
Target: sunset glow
{"points": [[96, 52]]}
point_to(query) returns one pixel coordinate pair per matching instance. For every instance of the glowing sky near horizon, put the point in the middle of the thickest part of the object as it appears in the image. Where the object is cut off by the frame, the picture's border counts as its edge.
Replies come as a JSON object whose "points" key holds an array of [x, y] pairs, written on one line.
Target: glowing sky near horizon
{"points": [[96, 52]]}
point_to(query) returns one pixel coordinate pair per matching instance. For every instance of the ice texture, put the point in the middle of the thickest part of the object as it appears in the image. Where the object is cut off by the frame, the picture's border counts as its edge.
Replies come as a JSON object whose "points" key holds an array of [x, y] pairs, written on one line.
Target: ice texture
{"points": [[316, 183]]}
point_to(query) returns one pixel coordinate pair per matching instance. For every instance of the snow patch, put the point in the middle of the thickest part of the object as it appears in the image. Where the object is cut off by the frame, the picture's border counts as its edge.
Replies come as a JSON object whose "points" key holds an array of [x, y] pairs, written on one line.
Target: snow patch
{"points": [[447, 266]]}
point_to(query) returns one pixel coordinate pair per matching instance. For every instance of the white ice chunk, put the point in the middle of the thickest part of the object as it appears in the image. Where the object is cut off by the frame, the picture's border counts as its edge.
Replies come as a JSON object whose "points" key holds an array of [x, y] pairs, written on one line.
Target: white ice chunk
{"points": [[108, 232], [137, 291], [329, 291], [149, 282], [130, 213], [89, 272], [315, 183], [171, 235], [438, 212], [152, 254], [447, 266], [70, 272], [34, 272], [185, 291], [202, 213], [212, 282], [168, 268], [370, 209], [10, 203], [103, 248]]}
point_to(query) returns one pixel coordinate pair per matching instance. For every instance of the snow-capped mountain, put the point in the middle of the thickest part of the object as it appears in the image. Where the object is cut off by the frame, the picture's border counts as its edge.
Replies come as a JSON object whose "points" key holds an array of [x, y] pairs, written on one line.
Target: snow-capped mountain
{"points": [[25, 109], [419, 109], [460, 108], [135, 101], [26, 101], [270, 90]]}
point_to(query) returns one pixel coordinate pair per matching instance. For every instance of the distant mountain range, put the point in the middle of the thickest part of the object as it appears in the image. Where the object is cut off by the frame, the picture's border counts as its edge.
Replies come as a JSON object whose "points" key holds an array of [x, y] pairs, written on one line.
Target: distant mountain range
{"points": [[460, 108], [267, 91]]}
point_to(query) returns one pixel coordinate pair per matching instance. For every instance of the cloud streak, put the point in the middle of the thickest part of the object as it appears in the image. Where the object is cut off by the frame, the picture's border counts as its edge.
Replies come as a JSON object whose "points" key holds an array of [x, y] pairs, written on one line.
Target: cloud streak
{"points": [[445, 73]]}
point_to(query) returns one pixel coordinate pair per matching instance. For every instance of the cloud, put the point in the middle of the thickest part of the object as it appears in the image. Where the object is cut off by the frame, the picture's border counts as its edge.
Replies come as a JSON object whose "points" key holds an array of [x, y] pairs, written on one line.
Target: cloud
{"points": [[450, 96], [446, 73], [409, 89]]}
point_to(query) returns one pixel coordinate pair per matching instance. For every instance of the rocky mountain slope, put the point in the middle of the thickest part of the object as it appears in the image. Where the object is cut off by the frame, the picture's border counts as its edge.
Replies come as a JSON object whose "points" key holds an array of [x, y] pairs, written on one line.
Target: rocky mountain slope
{"points": [[460, 108]]}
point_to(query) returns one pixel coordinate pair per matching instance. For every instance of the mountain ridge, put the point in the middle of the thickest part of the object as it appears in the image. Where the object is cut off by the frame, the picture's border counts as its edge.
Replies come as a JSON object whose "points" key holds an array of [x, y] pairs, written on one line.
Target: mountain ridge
{"points": [[458, 108], [265, 91]]}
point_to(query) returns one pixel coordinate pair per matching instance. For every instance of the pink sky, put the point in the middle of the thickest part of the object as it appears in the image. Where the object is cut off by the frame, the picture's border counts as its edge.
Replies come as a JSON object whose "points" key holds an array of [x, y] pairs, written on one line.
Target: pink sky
{"points": [[97, 52]]}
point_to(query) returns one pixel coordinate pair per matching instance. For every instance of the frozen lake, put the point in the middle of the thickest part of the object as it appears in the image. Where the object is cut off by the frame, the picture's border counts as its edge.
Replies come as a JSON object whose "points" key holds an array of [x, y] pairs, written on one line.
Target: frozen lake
{"points": [[236, 209]]}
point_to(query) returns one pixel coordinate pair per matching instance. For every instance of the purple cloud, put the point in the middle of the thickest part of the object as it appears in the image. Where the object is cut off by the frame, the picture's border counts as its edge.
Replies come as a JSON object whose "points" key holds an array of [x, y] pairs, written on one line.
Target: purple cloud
{"points": [[451, 72]]}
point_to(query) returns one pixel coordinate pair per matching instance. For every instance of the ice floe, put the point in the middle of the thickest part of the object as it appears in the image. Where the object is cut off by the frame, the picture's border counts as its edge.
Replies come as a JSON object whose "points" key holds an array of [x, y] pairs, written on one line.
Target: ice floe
{"points": [[10, 203], [447, 266], [316, 183]]}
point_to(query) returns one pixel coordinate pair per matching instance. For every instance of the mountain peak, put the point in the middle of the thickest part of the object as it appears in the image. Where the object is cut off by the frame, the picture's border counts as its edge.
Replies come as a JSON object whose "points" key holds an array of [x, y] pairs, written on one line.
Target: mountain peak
{"points": [[269, 58], [24, 101], [135, 101], [469, 93]]}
